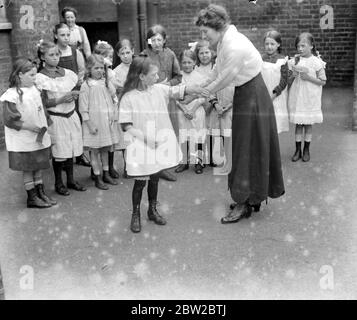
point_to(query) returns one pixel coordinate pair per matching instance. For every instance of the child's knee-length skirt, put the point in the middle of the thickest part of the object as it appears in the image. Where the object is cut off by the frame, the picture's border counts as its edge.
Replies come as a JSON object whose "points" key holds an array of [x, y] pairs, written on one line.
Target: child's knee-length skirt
{"points": [[30, 161], [193, 130], [66, 136]]}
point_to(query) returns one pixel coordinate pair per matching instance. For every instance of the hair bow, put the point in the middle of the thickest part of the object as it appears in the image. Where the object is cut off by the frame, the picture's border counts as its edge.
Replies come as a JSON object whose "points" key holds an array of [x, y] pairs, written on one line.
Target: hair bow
{"points": [[39, 43], [192, 45], [101, 42]]}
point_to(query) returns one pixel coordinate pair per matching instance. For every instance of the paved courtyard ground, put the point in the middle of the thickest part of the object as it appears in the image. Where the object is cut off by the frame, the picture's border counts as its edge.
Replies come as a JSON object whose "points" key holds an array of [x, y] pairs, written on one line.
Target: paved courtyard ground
{"points": [[300, 246]]}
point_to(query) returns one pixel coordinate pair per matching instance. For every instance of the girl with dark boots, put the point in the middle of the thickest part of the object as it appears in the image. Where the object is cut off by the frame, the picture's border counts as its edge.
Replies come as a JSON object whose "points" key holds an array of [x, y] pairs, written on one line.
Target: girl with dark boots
{"points": [[143, 114], [99, 110], [104, 49], [191, 117], [153, 214], [26, 137], [308, 76], [205, 63], [72, 59], [56, 85]]}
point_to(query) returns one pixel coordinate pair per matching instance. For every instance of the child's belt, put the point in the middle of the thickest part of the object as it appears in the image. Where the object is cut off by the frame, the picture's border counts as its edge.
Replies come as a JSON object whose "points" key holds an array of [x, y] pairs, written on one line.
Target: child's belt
{"points": [[60, 114]]}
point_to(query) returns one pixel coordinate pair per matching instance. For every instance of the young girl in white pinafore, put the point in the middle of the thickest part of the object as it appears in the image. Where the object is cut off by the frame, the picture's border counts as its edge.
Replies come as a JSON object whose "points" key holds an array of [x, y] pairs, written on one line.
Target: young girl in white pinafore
{"points": [[169, 73], [125, 52], [144, 115], [104, 49], [191, 118], [26, 137], [58, 95], [205, 63], [275, 74], [99, 110], [305, 94]]}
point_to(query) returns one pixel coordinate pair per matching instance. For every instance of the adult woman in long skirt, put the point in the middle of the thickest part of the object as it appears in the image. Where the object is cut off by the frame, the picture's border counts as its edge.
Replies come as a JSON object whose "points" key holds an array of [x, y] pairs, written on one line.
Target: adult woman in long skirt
{"points": [[256, 172]]}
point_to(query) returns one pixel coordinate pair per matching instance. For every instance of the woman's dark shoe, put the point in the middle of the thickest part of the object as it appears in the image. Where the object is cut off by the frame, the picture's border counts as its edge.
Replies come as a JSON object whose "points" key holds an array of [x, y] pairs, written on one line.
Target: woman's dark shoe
{"points": [[83, 161], [247, 214], [135, 224], [181, 168], [62, 190], [198, 168], [256, 207], [154, 215], [33, 200], [213, 165], [298, 154], [125, 175], [76, 186], [240, 211], [108, 179], [42, 195], [98, 182], [306, 152]]}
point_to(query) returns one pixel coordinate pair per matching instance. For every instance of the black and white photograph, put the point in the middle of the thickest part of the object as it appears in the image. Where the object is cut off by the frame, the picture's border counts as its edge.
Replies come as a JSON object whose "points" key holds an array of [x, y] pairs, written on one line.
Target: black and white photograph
{"points": [[165, 150]]}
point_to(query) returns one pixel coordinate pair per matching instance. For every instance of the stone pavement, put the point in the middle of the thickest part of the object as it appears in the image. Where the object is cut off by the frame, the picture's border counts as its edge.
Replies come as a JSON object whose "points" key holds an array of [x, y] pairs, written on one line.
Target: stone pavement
{"points": [[300, 246]]}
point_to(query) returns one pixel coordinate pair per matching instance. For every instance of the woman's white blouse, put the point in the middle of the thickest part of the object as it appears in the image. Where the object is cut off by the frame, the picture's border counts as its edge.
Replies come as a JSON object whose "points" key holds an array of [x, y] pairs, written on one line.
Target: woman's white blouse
{"points": [[238, 61]]}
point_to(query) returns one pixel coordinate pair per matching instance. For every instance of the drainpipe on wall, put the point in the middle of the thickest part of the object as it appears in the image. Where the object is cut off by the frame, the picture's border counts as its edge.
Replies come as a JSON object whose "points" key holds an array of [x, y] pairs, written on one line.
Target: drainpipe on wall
{"points": [[354, 107], [152, 8], [4, 23], [5, 70], [142, 18], [2, 290]]}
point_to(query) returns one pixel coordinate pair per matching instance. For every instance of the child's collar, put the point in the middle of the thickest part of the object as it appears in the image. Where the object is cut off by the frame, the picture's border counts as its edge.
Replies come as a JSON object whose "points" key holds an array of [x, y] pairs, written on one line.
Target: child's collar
{"points": [[56, 73]]}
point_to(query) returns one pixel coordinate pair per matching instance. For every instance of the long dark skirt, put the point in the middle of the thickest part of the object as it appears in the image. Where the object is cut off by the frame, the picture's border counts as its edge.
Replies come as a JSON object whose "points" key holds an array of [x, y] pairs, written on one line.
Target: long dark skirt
{"points": [[256, 166]]}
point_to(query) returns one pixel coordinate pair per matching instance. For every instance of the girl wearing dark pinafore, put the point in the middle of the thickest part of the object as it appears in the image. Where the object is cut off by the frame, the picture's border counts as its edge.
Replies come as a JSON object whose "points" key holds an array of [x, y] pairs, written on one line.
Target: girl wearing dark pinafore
{"points": [[71, 59]]}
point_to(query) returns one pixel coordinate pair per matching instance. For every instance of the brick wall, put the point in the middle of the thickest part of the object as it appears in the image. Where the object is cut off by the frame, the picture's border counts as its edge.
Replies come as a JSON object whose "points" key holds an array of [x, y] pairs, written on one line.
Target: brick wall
{"points": [[26, 34], [5, 70], [27, 30], [290, 17]]}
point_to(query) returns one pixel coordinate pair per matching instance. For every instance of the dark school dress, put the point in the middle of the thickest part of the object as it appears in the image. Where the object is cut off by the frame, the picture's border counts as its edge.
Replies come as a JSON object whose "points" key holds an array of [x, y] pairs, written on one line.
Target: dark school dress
{"points": [[70, 62]]}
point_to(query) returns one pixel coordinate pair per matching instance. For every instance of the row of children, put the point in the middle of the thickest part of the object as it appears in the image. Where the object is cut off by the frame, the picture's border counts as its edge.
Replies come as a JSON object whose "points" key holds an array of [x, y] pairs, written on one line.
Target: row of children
{"points": [[42, 116], [63, 79]]}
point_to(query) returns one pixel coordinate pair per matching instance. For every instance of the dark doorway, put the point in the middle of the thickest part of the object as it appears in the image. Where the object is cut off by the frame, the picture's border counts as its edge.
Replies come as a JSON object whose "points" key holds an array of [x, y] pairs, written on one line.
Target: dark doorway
{"points": [[104, 31]]}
